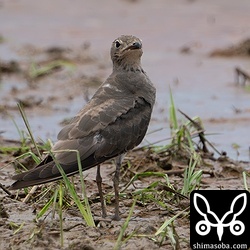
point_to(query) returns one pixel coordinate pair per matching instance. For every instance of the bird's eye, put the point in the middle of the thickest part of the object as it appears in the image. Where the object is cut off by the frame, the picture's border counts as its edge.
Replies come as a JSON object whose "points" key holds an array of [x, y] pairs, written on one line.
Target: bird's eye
{"points": [[117, 44]]}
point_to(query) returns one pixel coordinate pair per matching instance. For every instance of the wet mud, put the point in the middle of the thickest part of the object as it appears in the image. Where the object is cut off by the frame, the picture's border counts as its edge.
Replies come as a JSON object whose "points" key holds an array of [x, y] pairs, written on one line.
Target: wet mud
{"points": [[19, 228]]}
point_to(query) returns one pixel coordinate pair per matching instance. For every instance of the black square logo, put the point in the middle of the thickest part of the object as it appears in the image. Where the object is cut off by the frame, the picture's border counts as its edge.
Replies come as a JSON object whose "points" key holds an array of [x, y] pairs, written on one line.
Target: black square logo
{"points": [[220, 219]]}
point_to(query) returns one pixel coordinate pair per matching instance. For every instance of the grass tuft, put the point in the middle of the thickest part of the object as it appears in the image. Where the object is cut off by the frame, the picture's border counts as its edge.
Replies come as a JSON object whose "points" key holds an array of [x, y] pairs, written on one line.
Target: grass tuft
{"points": [[124, 227], [84, 209]]}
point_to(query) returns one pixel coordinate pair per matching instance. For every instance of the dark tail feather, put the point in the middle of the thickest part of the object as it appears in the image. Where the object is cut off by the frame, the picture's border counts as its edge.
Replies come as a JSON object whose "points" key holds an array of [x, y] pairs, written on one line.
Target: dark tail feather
{"points": [[35, 176], [49, 172], [22, 184]]}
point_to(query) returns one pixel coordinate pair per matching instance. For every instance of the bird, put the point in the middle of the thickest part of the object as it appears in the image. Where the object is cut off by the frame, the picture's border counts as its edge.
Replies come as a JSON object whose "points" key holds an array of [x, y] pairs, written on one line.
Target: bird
{"points": [[113, 122]]}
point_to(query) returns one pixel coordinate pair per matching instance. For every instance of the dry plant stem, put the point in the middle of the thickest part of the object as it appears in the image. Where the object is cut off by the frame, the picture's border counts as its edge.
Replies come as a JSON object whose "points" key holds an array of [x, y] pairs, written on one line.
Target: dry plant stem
{"points": [[199, 128], [175, 172], [240, 74], [201, 134], [99, 185], [32, 191]]}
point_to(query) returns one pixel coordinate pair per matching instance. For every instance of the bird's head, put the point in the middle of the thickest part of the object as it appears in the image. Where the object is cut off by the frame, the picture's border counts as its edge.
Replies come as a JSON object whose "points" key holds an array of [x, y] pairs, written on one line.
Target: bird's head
{"points": [[126, 51]]}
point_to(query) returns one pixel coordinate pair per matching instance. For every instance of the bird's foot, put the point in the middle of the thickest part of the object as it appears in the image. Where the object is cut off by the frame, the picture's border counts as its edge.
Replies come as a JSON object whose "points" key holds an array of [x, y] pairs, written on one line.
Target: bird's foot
{"points": [[104, 213], [116, 217]]}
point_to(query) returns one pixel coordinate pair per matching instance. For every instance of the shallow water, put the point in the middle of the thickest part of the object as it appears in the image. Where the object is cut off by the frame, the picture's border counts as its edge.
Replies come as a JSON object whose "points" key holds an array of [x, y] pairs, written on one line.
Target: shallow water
{"points": [[201, 85]]}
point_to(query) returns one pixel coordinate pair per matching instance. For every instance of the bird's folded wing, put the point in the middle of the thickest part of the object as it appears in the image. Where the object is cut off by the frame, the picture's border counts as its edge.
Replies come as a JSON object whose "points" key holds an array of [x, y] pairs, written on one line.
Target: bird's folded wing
{"points": [[104, 108], [114, 126], [115, 129]]}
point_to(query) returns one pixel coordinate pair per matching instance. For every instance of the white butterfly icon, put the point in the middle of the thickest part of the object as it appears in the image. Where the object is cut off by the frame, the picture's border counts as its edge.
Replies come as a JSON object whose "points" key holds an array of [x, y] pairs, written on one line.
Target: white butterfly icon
{"points": [[236, 227]]}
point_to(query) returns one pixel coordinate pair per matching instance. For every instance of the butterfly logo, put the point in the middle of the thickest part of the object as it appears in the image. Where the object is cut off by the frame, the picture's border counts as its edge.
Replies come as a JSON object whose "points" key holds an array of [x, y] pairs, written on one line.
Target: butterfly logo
{"points": [[210, 219]]}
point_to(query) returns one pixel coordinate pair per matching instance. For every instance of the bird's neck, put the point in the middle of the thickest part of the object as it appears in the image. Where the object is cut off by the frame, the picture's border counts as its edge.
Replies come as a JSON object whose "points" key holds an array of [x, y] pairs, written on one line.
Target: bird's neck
{"points": [[126, 66]]}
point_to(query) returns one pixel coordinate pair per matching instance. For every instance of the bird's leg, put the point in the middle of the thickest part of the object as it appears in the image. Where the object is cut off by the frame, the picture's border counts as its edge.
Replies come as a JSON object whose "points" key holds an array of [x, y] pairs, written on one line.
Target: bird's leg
{"points": [[116, 185], [99, 185]]}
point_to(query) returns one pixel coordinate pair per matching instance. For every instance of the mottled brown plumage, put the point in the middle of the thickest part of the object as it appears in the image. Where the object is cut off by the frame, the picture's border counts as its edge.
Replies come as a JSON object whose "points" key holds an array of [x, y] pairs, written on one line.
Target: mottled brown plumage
{"points": [[114, 121]]}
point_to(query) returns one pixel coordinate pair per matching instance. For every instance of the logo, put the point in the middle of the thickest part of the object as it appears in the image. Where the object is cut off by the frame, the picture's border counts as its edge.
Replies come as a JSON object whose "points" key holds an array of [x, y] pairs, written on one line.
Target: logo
{"points": [[219, 219]]}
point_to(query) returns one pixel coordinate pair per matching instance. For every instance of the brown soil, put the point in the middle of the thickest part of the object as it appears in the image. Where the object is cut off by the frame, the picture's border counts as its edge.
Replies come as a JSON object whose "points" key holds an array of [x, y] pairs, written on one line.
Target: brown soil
{"points": [[23, 231], [241, 49]]}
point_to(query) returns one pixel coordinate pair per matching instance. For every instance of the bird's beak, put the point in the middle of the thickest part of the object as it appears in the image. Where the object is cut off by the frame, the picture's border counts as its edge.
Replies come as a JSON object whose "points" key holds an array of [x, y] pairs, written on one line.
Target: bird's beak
{"points": [[135, 45]]}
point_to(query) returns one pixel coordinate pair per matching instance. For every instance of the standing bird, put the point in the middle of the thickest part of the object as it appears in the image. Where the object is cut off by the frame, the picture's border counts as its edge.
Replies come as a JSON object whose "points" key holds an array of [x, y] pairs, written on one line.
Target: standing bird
{"points": [[113, 122]]}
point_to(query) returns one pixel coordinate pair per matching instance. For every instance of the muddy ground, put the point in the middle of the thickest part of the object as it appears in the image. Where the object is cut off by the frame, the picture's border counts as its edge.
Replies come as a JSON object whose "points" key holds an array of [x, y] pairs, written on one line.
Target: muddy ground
{"points": [[19, 228], [52, 75]]}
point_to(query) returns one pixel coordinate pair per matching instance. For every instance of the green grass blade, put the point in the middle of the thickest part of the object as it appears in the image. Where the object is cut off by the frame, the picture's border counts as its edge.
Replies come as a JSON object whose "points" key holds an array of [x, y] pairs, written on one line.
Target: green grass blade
{"points": [[142, 175], [26, 122], [61, 194], [124, 227], [86, 212], [168, 222], [45, 208], [86, 201], [191, 178], [172, 113]]}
